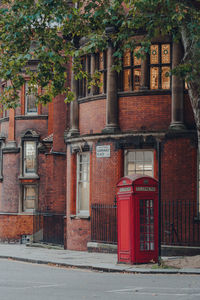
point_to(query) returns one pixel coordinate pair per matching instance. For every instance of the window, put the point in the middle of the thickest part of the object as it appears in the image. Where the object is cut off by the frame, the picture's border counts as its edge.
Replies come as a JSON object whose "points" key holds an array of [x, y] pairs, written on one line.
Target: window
{"points": [[5, 113], [160, 65], [29, 157], [101, 68], [131, 73], [29, 198], [83, 164], [84, 91], [139, 162], [30, 101]]}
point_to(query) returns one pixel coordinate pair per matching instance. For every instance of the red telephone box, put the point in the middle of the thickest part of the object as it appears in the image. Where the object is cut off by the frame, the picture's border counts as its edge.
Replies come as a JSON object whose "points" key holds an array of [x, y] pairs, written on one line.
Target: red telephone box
{"points": [[137, 219]]}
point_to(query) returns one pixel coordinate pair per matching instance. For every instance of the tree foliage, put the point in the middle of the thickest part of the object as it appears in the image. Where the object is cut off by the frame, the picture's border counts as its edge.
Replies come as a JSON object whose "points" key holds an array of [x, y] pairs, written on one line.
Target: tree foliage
{"points": [[51, 31]]}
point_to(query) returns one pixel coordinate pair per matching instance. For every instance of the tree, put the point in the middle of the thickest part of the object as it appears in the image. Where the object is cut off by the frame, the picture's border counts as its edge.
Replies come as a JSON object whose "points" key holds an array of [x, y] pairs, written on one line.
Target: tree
{"points": [[49, 31]]}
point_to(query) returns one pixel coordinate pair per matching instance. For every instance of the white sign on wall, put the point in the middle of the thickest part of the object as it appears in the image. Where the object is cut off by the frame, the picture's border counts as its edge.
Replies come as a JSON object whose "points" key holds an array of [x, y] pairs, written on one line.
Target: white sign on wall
{"points": [[103, 151]]}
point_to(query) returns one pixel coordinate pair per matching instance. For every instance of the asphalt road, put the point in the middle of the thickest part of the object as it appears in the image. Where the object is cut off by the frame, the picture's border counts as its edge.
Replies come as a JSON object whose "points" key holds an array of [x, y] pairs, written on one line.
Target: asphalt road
{"points": [[20, 281]]}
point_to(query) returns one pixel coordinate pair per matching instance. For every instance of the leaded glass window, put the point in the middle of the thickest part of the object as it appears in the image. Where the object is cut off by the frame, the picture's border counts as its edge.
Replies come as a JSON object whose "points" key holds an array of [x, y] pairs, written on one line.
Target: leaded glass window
{"points": [[131, 74], [29, 157], [160, 65]]}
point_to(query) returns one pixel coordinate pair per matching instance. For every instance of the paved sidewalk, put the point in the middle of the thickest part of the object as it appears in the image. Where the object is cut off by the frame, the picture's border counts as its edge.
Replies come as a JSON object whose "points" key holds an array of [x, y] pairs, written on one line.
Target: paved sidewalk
{"points": [[95, 261]]}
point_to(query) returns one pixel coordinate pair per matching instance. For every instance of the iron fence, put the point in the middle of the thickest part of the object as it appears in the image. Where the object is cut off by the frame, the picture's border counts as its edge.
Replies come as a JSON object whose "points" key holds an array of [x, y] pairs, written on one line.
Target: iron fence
{"points": [[180, 224], [49, 228], [103, 223]]}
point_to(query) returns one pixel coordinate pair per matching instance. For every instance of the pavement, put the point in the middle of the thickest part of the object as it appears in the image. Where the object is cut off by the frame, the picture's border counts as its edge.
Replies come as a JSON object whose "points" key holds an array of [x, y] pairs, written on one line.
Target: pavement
{"points": [[103, 262]]}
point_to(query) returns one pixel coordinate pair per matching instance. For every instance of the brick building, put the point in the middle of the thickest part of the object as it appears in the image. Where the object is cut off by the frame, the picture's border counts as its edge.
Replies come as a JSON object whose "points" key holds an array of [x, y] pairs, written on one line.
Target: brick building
{"points": [[32, 199], [123, 127], [58, 162]]}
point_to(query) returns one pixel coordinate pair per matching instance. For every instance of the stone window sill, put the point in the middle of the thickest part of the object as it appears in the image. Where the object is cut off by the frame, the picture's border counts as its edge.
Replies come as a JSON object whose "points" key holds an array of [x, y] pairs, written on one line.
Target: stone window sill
{"points": [[78, 217]]}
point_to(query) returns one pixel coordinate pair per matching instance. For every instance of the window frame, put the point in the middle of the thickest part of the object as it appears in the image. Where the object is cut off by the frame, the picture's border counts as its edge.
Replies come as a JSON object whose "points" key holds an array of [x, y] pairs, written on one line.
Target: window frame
{"points": [[160, 65], [25, 158], [79, 212], [23, 193], [29, 113], [138, 150], [132, 67], [29, 136]]}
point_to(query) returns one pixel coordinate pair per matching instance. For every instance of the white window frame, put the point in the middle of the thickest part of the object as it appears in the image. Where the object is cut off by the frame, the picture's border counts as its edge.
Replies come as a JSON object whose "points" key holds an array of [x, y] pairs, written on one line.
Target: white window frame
{"points": [[29, 113], [24, 158], [84, 213], [137, 150]]}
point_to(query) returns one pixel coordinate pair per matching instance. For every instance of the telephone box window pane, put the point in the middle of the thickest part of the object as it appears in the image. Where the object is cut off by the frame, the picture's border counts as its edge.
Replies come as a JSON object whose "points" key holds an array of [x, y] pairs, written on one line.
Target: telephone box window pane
{"points": [[127, 58], [127, 80], [154, 55], [30, 157], [136, 79], [165, 78], [146, 225], [137, 61], [154, 78], [165, 58]]}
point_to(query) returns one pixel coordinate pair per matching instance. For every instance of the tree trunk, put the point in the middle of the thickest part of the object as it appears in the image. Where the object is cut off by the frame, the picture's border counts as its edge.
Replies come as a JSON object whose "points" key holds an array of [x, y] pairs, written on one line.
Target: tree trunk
{"points": [[193, 86]]}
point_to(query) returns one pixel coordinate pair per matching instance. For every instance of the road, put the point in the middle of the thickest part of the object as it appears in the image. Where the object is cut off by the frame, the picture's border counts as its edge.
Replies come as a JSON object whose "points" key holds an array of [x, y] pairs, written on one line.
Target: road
{"points": [[20, 281]]}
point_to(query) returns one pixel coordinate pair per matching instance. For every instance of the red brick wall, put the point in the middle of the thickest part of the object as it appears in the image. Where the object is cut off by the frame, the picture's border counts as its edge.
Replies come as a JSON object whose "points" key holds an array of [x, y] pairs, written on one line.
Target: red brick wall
{"points": [[52, 188], [145, 112], [179, 170], [10, 184], [179, 187], [12, 227], [92, 116], [105, 173], [59, 123], [40, 126]]}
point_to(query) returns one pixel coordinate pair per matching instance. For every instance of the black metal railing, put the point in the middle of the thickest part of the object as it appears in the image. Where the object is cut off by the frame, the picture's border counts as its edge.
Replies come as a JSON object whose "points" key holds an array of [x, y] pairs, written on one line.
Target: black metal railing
{"points": [[103, 223], [49, 228], [180, 224]]}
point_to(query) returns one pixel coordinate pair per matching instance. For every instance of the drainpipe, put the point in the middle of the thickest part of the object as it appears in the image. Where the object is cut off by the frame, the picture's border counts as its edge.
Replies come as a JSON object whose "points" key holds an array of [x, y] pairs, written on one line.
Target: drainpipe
{"points": [[159, 201]]}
